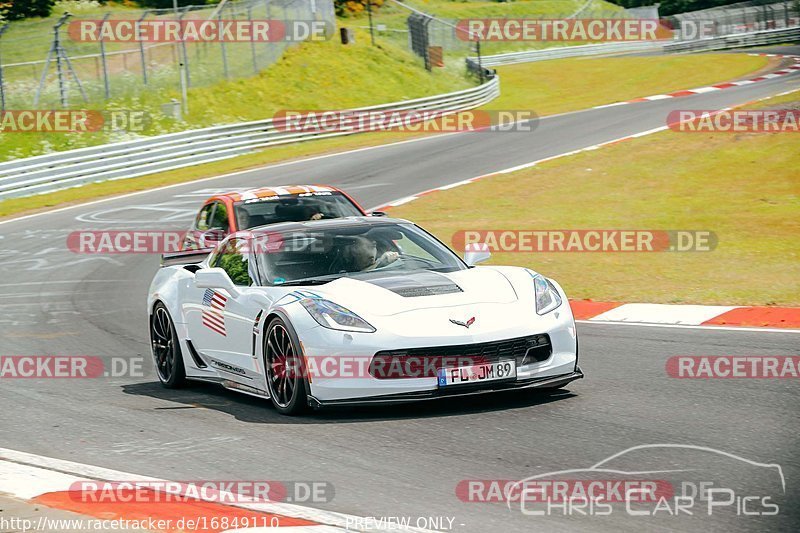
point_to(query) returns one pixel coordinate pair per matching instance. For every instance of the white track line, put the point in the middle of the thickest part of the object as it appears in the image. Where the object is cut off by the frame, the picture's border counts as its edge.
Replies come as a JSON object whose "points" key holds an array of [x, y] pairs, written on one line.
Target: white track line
{"points": [[26, 475], [687, 326]]}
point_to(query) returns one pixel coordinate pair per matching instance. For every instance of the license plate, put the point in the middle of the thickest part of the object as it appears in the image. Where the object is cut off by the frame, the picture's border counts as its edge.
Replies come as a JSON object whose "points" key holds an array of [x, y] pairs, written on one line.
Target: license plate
{"points": [[478, 373]]}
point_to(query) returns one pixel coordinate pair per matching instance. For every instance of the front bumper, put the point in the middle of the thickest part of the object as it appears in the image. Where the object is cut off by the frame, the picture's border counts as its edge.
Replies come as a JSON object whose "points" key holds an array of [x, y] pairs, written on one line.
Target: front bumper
{"points": [[429, 331], [465, 390]]}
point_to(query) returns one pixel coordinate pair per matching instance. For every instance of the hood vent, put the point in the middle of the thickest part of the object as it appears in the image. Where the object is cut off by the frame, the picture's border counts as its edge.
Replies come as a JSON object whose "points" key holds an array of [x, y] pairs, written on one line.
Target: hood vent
{"points": [[411, 292], [411, 285]]}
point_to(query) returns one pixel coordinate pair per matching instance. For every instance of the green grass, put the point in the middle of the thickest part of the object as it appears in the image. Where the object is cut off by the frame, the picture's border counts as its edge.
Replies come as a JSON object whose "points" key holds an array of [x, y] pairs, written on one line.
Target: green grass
{"points": [[30, 39], [557, 86], [394, 17], [510, 88], [313, 75], [354, 75], [742, 187]]}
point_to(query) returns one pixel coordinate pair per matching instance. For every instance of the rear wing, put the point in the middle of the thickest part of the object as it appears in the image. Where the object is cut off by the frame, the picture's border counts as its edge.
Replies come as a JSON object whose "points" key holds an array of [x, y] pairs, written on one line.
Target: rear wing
{"points": [[185, 257]]}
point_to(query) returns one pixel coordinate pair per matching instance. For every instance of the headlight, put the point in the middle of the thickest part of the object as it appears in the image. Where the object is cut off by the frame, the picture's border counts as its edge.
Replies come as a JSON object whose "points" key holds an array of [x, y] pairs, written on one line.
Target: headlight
{"points": [[334, 316], [547, 297]]}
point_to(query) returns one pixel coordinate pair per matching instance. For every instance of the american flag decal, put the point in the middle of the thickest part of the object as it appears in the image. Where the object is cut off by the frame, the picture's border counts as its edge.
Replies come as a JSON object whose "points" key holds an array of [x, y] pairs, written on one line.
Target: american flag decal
{"points": [[214, 305]]}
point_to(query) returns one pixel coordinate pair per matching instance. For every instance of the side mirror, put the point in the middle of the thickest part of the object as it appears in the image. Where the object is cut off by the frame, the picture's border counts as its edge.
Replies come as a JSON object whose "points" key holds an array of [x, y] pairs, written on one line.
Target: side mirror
{"points": [[476, 253], [377, 214], [210, 238], [215, 278]]}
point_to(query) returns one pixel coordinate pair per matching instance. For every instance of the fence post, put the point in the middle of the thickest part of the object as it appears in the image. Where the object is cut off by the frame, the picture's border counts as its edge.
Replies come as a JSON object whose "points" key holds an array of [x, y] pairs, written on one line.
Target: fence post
{"points": [[222, 47], [141, 48], [252, 42], [183, 67], [185, 54], [371, 29], [3, 28], [61, 55], [106, 85], [62, 88]]}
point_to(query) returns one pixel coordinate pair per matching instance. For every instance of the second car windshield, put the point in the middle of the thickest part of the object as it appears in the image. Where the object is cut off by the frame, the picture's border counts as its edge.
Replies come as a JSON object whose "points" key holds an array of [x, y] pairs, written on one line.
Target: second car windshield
{"points": [[321, 255], [311, 206]]}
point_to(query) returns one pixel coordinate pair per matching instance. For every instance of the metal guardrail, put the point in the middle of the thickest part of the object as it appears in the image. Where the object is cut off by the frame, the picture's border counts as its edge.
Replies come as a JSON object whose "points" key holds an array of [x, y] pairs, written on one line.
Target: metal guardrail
{"points": [[739, 40], [736, 40], [562, 52], [129, 159]]}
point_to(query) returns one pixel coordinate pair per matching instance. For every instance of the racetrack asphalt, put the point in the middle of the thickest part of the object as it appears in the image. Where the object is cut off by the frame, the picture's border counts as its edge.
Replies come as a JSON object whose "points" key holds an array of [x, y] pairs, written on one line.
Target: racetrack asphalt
{"points": [[399, 461]]}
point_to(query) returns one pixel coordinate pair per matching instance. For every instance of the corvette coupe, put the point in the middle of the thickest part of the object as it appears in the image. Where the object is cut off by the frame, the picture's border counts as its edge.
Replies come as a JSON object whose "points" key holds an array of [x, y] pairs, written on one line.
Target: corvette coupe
{"points": [[357, 310]]}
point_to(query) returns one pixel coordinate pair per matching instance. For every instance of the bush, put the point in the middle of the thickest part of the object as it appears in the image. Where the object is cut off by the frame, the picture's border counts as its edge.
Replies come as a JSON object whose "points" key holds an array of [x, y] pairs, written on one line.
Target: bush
{"points": [[167, 4], [20, 9], [354, 7]]}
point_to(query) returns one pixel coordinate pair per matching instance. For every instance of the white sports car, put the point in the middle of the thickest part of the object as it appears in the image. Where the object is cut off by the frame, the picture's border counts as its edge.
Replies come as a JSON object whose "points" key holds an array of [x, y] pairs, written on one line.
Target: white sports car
{"points": [[356, 310]]}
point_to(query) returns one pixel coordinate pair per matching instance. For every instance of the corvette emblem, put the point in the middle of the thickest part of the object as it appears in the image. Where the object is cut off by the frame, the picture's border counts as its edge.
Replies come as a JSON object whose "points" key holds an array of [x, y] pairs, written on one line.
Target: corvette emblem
{"points": [[466, 324]]}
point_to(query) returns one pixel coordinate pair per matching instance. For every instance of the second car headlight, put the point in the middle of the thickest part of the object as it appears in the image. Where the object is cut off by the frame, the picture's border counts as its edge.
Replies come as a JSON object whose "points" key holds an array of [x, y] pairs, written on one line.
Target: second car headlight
{"points": [[547, 297], [334, 316]]}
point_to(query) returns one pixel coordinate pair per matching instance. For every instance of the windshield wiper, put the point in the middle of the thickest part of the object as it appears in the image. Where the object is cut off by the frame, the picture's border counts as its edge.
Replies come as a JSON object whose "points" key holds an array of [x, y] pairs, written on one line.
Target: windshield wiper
{"points": [[306, 281]]}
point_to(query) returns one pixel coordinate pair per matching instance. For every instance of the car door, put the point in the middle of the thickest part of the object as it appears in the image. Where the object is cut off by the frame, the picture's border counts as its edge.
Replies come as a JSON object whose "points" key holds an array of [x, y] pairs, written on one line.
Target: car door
{"points": [[222, 325]]}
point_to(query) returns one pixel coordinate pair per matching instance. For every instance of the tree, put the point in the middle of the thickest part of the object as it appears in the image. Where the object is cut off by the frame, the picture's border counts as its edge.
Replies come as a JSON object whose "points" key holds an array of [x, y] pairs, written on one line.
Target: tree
{"points": [[672, 7], [354, 7], [167, 4], [20, 9]]}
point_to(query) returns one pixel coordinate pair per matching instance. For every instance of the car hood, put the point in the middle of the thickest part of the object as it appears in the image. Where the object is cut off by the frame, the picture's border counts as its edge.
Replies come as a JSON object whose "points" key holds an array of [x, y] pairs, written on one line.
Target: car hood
{"points": [[385, 294]]}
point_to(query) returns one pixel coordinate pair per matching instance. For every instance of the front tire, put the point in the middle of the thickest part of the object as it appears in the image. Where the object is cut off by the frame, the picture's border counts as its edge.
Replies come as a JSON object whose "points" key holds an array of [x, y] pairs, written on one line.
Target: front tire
{"points": [[284, 367], [166, 349]]}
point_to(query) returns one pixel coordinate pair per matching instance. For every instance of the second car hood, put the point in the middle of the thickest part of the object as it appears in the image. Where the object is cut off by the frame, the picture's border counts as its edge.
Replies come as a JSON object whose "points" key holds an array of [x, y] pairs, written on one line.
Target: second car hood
{"points": [[384, 294]]}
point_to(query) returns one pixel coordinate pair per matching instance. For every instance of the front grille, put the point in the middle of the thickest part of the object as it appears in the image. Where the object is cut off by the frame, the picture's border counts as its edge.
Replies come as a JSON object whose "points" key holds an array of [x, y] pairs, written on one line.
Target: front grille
{"points": [[425, 362]]}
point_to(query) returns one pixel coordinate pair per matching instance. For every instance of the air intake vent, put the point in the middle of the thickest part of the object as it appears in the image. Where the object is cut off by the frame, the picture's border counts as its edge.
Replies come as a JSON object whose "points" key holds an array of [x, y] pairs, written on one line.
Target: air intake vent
{"points": [[411, 292]]}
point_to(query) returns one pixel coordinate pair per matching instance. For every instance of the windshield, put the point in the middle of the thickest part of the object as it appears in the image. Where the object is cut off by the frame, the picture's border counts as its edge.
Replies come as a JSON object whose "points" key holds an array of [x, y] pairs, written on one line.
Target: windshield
{"points": [[296, 208], [311, 256]]}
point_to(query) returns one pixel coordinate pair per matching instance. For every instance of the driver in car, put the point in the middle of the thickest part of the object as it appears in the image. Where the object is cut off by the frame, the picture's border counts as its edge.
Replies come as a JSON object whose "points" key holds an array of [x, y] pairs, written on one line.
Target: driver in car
{"points": [[362, 255]]}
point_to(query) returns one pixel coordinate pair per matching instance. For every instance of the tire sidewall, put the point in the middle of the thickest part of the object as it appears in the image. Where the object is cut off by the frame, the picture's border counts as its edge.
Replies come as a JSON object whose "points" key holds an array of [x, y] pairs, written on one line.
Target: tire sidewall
{"points": [[299, 402], [178, 376]]}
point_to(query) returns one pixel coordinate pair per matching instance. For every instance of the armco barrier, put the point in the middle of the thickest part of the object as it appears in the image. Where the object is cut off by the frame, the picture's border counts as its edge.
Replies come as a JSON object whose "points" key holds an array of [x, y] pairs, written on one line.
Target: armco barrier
{"points": [[736, 40], [739, 40], [562, 52], [129, 159]]}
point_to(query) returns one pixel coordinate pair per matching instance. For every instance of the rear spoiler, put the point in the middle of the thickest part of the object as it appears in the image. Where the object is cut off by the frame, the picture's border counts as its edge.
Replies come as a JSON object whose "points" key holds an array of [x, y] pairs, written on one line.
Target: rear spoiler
{"points": [[185, 257]]}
